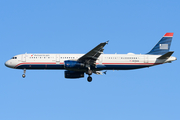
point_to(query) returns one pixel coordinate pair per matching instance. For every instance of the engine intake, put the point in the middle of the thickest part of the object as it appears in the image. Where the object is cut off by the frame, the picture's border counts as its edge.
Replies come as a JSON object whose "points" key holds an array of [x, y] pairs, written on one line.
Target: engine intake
{"points": [[70, 65]]}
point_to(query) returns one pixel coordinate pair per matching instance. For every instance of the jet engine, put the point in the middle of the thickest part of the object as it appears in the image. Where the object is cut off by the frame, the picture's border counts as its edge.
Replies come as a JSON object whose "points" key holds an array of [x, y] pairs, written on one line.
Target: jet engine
{"points": [[73, 74]]}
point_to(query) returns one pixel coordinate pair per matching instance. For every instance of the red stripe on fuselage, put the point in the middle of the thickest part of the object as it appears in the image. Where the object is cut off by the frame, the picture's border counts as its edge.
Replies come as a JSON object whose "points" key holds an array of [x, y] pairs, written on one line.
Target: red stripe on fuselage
{"points": [[131, 63]]}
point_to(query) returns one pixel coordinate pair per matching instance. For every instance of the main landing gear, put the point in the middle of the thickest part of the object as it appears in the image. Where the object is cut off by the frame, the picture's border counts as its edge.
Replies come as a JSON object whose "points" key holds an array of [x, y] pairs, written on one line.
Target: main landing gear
{"points": [[89, 79], [24, 73], [89, 72]]}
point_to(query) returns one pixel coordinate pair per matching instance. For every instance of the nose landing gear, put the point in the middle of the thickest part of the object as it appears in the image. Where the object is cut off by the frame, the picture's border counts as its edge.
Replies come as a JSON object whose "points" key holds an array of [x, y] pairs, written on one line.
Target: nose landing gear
{"points": [[24, 73]]}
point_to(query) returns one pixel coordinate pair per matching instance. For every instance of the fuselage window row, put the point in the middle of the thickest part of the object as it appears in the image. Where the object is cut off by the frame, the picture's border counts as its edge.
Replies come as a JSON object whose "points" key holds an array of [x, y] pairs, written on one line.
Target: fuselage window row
{"points": [[47, 57], [121, 58]]}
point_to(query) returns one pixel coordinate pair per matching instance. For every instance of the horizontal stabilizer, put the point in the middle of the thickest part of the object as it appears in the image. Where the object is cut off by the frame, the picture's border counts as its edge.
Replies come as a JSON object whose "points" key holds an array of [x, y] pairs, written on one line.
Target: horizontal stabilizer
{"points": [[166, 55]]}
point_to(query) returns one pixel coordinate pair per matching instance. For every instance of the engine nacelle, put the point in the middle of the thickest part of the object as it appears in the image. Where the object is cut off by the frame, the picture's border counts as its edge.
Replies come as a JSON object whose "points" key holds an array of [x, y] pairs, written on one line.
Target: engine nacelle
{"points": [[73, 74], [70, 65]]}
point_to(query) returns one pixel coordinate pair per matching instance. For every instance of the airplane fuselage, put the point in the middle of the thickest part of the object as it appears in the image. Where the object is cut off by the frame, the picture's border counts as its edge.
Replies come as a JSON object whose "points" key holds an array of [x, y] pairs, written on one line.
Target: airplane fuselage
{"points": [[105, 61], [94, 61]]}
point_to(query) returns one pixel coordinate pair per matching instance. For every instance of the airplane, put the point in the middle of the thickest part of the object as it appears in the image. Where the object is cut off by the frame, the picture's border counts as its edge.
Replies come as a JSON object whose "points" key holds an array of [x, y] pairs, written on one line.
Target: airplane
{"points": [[95, 61]]}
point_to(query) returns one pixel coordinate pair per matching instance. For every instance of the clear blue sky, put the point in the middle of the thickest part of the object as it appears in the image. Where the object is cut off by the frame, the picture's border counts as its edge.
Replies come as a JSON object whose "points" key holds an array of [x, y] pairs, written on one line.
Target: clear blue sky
{"points": [[77, 26]]}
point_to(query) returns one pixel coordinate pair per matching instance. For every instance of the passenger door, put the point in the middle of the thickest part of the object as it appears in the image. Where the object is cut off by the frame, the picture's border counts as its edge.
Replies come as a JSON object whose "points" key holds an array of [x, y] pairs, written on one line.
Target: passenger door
{"points": [[23, 57]]}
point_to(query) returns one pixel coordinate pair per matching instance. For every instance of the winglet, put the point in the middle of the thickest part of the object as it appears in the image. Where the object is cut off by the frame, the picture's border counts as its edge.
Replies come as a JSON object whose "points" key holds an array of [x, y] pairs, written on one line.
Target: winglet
{"points": [[107, 42]]}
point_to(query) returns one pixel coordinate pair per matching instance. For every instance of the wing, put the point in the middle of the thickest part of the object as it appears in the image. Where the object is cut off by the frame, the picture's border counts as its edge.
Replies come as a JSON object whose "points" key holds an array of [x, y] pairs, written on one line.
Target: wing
{"points": [[91, 57]]}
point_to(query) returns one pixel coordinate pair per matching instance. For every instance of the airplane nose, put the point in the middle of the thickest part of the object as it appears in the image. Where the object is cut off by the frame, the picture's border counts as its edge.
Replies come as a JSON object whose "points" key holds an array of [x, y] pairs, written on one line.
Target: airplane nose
{"points": [[6, 63], [10, 64]]}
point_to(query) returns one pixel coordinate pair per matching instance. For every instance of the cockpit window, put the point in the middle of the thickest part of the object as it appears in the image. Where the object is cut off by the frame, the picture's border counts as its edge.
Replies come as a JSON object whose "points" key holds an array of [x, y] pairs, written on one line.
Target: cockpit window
{"points": [[14, 58]]}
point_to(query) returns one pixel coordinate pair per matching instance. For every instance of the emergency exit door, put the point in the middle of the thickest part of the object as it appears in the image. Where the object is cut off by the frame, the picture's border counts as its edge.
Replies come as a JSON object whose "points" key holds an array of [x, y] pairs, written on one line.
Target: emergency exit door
{"points": [[57, 59], [145, 59]]}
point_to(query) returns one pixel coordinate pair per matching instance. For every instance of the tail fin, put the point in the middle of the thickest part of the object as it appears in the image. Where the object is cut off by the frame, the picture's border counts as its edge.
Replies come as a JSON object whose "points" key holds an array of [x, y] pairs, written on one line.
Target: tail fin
{"points": [[163, 45]]}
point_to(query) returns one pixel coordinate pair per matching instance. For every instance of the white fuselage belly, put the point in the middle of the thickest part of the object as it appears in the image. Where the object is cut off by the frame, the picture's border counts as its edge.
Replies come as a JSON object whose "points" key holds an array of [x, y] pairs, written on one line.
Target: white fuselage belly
{"points": [[105, 61]]}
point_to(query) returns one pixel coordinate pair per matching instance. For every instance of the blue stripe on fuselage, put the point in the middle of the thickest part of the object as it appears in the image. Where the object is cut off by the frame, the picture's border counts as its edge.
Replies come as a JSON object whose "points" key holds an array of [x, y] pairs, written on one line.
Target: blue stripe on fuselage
{"points": [[121, 67], [56, 66], [98, 67]]}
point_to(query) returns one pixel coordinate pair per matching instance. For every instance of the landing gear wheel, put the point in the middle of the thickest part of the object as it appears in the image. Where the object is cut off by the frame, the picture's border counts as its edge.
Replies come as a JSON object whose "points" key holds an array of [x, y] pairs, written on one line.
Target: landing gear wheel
{"points": [[89, 79], [23, 75]]}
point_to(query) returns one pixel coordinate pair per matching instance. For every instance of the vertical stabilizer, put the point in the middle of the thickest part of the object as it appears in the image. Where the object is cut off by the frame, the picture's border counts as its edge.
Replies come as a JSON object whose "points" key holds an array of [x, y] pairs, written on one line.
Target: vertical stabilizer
{"points": [[163, 45]]}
